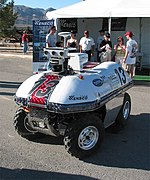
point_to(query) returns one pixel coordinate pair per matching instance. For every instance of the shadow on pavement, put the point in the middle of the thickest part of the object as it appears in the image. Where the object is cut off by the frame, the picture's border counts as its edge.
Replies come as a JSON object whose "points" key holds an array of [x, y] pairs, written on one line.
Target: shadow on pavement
{"points": [[7, 87], [49, 140], [7, 84], [7, 94], [127, 149], [22, 174], [130, 148]]}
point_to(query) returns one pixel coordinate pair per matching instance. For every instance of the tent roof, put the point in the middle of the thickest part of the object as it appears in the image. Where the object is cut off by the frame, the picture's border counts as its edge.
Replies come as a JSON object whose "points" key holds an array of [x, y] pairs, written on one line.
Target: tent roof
{"points": [[134, 8], [99, 8]]}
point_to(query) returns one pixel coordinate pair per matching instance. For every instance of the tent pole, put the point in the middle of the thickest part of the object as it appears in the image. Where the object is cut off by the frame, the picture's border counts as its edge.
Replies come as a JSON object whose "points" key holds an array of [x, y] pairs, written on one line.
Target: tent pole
{"points": [[140, 34], [56, 24], [109, 23]]}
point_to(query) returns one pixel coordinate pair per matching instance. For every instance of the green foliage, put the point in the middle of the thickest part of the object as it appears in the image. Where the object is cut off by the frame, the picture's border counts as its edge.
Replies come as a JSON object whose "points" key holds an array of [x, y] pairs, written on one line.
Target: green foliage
{"points": [[7, 17], [2, 2]]}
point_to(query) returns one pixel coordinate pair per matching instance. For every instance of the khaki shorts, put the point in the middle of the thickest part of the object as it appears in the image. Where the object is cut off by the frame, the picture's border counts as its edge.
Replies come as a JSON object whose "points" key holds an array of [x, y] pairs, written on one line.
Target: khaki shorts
{"points": [[129, 67]]}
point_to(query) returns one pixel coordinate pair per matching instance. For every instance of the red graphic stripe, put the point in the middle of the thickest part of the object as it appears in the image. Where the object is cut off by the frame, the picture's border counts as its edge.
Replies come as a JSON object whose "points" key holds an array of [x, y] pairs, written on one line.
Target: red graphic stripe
{"points": [[43, 88]]}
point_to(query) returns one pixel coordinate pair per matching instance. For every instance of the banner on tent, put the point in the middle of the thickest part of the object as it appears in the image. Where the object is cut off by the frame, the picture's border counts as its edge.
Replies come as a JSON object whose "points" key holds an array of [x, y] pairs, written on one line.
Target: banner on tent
{"points": [[117, 24], [68, 24], [40, 30]]}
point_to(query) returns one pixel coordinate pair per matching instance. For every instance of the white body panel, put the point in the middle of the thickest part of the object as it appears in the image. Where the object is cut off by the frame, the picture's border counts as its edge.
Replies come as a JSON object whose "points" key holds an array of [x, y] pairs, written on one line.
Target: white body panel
{"points": [[72, 89], [84, 91], [77, 60], [27, 85], [79, 91]]}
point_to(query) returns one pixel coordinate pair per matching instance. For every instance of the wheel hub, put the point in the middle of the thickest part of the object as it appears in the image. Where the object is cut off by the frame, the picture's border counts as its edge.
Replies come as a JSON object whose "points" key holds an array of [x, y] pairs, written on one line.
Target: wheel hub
{"points": [[126, 110], [88, 138]]}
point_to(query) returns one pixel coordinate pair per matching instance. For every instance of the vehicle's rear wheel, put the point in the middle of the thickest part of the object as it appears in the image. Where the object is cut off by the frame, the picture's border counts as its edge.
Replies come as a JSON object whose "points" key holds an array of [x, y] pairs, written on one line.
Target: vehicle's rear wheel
{"points": [[23, 127], [123, 115], [84, 135]]}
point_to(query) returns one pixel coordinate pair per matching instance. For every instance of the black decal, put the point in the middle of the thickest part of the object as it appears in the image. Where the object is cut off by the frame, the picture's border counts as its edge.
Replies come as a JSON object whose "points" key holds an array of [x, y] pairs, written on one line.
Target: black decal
{"points": [[37, 84], [121, 75], [76, 98], [48, 87], [98, 82]]}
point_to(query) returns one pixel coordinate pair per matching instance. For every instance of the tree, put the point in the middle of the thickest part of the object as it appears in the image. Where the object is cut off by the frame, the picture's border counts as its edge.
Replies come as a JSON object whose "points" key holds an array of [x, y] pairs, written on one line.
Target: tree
{"points": [[7, 17]]}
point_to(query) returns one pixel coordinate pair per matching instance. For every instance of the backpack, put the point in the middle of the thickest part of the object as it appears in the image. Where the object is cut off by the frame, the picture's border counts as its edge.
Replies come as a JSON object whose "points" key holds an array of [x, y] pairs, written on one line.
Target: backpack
{"points": [[134, 51]]}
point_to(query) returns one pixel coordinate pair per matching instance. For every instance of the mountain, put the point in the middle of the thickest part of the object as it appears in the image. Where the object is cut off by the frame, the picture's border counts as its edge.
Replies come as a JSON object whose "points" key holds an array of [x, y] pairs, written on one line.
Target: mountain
{"points": [[27, 14]]}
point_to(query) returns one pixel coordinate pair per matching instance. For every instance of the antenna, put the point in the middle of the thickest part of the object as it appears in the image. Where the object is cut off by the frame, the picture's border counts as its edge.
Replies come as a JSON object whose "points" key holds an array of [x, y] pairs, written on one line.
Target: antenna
{"points": [[64, 35]]}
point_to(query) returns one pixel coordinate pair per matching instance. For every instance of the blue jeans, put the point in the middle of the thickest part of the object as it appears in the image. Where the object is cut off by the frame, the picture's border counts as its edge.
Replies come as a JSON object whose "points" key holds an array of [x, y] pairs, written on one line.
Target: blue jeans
{"points": [[25, 46]]}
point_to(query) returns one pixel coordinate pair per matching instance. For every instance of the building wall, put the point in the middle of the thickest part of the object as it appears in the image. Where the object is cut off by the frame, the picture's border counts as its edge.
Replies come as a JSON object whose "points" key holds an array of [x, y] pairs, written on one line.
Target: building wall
{"points": [[145, 38]]}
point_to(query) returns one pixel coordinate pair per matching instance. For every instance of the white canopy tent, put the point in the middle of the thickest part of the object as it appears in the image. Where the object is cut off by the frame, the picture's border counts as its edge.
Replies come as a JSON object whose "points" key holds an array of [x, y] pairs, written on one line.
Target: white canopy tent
{"points": [[84, 9], [134, 8], [137, 12], [99, 8]]}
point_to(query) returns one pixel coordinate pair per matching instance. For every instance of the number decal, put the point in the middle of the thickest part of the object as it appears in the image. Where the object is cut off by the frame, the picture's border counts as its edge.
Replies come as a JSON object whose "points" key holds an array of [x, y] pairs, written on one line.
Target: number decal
{"points": [[46, 90], [43, 86], [42, 89], [37, 84], [121, 75], [118, 75]]}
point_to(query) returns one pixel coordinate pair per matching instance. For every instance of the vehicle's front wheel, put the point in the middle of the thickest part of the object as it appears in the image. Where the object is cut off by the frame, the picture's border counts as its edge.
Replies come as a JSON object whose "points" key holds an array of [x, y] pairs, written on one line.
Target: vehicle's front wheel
{"points": [[22, 125], [84, 135]]}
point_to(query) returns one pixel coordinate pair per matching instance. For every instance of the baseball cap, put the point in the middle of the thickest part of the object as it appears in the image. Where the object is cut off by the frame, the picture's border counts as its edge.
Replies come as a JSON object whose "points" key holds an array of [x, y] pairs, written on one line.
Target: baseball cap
{"points": [[128, 33]]}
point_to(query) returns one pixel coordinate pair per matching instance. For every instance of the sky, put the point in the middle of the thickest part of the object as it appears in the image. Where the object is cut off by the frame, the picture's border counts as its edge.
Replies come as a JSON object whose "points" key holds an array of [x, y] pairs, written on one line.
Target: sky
{"points": [[45, 4]]}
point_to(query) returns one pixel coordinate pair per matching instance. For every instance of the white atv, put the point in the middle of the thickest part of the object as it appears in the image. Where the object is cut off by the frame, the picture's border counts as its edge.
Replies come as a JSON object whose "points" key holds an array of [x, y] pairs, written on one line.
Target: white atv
{"points": [[73, 100]]}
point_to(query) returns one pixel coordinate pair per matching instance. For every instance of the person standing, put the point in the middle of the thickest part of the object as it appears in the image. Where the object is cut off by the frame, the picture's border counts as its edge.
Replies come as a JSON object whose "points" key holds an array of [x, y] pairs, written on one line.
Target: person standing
{"points": [[87, 45], [72, 42], [106, 48], [99, 40], [25, 42], [120, 50], [51, 38], [130, 55]]}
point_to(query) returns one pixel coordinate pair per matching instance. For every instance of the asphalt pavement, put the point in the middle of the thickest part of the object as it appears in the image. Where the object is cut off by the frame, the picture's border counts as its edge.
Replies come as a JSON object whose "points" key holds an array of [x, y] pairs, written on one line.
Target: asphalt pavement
{"points": [[122, 156]]}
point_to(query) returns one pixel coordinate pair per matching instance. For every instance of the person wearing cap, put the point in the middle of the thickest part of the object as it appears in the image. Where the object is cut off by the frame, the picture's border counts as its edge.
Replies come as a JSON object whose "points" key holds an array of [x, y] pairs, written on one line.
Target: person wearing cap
{"points": [[120, 50], [72, 42], [99, 40], [106, 48], [130, 55], [87, 45]]}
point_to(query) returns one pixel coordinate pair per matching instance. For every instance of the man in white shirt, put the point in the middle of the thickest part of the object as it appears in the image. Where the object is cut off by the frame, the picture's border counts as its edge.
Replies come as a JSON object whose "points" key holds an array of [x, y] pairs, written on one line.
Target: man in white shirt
{"points": [[87, 45], [51, 38], [130, 55]]}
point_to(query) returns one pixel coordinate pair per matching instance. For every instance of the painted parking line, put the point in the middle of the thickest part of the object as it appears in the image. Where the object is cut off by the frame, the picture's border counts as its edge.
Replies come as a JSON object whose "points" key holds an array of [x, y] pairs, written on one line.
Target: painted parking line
{"points": [[5, 98]]}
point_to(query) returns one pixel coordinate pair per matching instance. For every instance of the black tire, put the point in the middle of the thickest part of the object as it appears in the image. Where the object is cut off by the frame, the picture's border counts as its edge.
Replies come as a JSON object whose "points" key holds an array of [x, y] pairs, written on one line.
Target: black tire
{"points": [[123, 116], [22, 127], [84, 135]]}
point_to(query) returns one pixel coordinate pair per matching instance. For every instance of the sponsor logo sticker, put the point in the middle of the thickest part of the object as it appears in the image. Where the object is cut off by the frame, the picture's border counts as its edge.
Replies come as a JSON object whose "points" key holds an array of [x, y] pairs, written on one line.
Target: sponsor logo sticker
{"points": [[78, 98], [98, 82]]}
